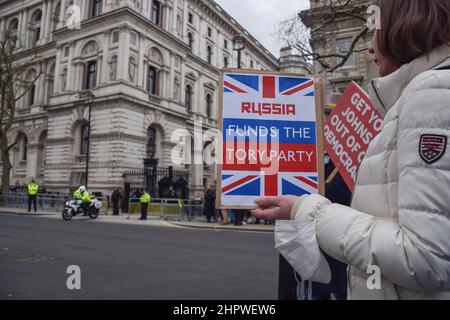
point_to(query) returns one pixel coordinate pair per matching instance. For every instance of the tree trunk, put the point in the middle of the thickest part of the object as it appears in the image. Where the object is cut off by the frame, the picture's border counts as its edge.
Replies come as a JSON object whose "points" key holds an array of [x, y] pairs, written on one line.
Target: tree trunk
{"points": [[6, 168]]}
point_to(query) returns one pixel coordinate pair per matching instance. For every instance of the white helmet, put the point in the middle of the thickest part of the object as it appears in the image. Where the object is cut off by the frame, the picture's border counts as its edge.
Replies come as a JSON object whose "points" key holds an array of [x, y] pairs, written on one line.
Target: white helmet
{"points": [[82, 188]]}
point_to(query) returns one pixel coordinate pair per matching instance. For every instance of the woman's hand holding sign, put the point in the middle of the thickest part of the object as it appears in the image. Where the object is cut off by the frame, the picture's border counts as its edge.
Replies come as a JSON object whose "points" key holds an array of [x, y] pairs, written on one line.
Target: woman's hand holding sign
{"points": [[274, 208]]}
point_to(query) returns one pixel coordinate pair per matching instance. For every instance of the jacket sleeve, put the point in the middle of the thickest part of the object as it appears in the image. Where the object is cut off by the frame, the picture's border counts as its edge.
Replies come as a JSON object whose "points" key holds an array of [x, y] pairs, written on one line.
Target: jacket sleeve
{"points": [[413, 252]]}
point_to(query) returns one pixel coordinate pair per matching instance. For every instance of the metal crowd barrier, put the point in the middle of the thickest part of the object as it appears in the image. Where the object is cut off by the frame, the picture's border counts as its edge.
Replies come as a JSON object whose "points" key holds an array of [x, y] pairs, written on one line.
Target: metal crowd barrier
{"points": [[44, 202], [169, 208]]}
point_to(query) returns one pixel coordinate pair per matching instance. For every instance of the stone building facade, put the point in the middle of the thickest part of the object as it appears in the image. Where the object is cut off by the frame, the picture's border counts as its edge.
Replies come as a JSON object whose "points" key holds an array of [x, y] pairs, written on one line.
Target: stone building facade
{"points": [[153, 67], [337, 37]]}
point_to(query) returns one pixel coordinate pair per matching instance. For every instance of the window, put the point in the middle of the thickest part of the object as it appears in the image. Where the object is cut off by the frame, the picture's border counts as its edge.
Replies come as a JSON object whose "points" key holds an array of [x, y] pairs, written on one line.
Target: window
{"points": [[343, 47], [190, 40], [225, 62], [190, 18], [115, 37], [225, 44], [151, 143], [156, 13], [208, 105], [209, 32], [31, 95], [84, 145], [188, 97], [24, 154], [251, 64], [209, 54], [152, 80], [96, 9], [91, 75]]}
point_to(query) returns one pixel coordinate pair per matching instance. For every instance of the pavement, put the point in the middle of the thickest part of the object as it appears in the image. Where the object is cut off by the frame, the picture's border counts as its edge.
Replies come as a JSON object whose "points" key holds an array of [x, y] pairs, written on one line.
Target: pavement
{"points": [[152, 221]]}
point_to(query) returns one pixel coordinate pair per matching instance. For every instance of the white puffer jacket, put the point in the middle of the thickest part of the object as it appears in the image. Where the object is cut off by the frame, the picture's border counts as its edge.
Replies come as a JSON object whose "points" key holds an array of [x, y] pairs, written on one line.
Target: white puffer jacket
{"points": [[400, 215]]}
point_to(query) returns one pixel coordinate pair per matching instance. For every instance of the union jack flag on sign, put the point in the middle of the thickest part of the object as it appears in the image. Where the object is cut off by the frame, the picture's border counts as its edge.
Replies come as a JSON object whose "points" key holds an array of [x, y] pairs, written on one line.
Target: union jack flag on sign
{"points": [[267, 86], [257, 184], [269, 137]]}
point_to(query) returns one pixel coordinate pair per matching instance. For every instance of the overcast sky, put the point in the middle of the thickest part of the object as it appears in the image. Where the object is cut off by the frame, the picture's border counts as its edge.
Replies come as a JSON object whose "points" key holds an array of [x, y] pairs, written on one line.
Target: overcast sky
{"points": [[260, 17]]}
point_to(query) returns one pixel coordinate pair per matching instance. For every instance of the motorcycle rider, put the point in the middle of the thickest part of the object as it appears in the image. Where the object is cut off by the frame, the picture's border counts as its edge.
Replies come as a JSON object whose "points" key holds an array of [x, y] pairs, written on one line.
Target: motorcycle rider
{"points": [[82, 196]]}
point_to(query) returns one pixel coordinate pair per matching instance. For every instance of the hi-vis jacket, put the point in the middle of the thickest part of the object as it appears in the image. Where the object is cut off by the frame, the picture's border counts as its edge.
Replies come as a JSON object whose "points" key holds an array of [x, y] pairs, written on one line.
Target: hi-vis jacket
{"points": [[399, 222], [145, 198], [33, 189]]}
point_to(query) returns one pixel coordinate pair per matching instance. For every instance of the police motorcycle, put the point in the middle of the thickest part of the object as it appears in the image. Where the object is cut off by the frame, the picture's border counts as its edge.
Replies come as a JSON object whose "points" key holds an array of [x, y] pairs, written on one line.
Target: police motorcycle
{"points": [[73, 208]]}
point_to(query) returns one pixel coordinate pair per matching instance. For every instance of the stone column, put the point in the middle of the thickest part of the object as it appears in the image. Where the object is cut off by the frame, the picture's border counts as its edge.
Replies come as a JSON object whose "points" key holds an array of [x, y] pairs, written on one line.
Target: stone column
{"points": [[24, 29], [124, 53], [62, 14], [57, 78], [41, 84], [172, 78], [2, 28], [106, 58], [141, 66], [174, 17], [43, 23], [185, 19], [85, 7], [199, 103], [48, 20], [71, 68], [166, 25], [100, 76], [32, 160], [183, 80]]}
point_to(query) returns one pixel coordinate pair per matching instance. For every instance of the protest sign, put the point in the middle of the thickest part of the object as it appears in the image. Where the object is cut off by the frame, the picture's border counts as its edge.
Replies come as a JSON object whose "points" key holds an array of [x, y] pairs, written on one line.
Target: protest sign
{"points": [[349, 130], [270, 144]]}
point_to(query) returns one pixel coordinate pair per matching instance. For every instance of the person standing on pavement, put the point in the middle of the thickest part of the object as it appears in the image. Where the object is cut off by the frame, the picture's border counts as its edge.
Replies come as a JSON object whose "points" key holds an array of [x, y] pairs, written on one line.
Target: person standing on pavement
{"points": [[33, 189], [116, 197], [145, 200], [209, 206]]}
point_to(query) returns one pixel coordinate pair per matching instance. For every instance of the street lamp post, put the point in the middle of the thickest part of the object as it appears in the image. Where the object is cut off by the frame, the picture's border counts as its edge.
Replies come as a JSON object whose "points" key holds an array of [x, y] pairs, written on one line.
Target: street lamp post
{"points": [[239, 45], [90, 96]]}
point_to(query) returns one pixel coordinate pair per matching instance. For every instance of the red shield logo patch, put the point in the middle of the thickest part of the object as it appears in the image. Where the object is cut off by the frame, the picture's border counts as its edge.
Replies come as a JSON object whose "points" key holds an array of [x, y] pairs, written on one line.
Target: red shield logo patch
{"points": [[432, 147]]}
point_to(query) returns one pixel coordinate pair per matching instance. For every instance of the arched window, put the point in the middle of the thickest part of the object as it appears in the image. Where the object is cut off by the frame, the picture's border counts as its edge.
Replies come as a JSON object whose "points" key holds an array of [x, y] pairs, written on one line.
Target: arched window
{"points": [[208, 105], [188, 97], [209, 54], [84, 145], [190, 40], [225, 62], [96, 8], [150, 150], [156, 12], [152, 81]]}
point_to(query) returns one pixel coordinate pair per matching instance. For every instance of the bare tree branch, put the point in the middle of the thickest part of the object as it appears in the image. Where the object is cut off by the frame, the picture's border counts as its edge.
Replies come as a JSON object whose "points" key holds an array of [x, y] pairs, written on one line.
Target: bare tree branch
{"points": [[14, 85], [295, 34]]}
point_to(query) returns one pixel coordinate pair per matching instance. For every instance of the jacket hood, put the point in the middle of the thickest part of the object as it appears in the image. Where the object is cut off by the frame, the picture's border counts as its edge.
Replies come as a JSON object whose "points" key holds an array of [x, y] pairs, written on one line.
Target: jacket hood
{"points": [[385, 91]]}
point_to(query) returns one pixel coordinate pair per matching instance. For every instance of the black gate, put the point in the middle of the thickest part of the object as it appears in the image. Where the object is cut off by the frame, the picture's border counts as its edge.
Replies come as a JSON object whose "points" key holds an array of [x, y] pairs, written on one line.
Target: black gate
{"points": [[157, 181]]}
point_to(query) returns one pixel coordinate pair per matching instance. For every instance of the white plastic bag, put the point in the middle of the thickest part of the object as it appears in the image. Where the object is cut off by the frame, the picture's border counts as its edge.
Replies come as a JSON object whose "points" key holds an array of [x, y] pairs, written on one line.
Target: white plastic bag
{"points": [[297, 243]]}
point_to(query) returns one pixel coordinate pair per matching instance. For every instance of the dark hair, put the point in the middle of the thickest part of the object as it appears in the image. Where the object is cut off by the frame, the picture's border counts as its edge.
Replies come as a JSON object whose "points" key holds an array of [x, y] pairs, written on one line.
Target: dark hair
{"points": [[412, 28]]}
